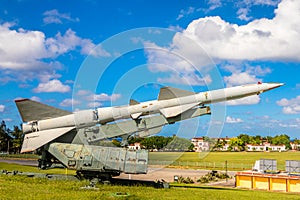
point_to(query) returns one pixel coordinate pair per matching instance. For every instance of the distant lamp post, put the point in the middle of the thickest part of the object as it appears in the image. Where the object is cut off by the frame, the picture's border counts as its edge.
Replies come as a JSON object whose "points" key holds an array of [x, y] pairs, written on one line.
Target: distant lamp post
{"points": [[175, 178]]}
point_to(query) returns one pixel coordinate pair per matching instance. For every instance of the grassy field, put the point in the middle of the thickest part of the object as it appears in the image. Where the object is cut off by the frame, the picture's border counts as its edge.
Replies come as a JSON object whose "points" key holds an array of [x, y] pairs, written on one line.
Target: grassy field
{"points": [[20, 187], [216, 160], [22, 156], [22, 168]]}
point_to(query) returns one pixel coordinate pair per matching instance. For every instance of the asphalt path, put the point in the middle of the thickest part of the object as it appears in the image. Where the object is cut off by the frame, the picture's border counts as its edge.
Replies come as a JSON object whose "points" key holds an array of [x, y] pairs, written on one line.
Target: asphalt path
{"points": [[168, 174], [28, 162]]}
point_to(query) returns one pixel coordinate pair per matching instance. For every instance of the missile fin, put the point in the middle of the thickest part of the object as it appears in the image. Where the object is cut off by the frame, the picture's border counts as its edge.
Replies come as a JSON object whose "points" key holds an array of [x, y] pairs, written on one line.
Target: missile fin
{"points": [[166, 93], [35, 140], [136, 115], [133, 102], [176, 110], [32, 110]]}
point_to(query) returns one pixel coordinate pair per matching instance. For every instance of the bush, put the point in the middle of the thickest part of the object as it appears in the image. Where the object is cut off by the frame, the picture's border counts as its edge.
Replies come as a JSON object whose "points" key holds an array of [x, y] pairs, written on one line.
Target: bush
{"points": [[186, 180], [212, 176]]}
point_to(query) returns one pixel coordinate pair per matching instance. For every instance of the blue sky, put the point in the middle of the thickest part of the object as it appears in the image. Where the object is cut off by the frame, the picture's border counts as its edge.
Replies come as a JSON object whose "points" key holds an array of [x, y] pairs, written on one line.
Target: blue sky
{"points": [[93, 54]]}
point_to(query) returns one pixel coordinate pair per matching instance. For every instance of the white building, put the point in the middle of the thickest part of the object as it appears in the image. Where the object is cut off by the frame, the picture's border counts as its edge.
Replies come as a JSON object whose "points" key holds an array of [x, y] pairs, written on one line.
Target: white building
{"points": [[200, 145], [295, 146], [265, 147], [135, 146]]}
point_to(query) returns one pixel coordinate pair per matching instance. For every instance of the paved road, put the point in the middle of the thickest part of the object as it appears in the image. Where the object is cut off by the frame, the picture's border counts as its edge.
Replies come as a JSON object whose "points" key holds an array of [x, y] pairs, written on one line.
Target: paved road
{"points": [[168, 174], [20, 161]]}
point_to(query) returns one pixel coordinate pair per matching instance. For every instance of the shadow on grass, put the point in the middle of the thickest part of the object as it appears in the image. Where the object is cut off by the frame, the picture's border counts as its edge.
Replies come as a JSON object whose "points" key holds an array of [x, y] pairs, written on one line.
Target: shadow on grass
{"points": [[205, 187], [127, 182]]}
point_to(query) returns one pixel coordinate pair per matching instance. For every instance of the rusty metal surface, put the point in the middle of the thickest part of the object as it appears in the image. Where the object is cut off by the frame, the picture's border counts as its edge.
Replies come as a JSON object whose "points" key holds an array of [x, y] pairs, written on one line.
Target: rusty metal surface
{"points": [[98, 158]]}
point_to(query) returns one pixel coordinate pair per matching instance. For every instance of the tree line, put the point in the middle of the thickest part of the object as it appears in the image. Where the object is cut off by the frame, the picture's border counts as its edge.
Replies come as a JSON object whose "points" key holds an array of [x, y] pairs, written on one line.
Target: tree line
{"points": [[173, 143], [10, 140], [239, 143], [215, 144]]}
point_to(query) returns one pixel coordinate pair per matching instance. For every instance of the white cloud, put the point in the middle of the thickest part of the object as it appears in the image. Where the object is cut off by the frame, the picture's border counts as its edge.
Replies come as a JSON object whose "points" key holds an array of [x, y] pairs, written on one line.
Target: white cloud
{"points": [[291, 106], [23, 53], [255, 99], [52, 86], [213, 4], [2, 108], [94, 104], [61, 44], [232, 120], [267, 39], [261, 2], [83, 92], [188, 62], [290, 123], [35, 98], [243, 14], [53, 16], [244, 75], [240, 79], [246, 6], [175, 28], [105, 97], [212, 38], [186, 12], [188, 79], [94, 100], [69, 81], [20, 48], [69, 102]]}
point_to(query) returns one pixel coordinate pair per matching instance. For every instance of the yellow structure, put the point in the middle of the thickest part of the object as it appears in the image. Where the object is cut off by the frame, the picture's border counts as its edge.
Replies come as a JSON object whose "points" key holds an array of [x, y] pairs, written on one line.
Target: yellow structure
{"points": [[272, 182]]}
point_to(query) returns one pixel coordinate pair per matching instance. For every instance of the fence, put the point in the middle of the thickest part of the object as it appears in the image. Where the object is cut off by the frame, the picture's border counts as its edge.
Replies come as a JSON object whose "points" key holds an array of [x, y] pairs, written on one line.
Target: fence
{"points": [[204, 165]]}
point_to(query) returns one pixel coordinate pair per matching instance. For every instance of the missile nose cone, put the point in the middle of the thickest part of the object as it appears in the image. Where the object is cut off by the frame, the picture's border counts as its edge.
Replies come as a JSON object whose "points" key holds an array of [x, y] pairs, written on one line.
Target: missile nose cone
{"points": [[271, 86], [275, 85]]}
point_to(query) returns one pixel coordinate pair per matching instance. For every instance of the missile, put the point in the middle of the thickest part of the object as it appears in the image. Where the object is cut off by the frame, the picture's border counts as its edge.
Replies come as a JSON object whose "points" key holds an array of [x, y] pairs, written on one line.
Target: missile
{"points": [[48, 123]]}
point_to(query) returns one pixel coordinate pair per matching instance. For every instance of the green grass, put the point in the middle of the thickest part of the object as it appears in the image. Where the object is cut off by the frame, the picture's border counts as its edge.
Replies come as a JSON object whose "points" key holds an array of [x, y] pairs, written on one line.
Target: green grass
{"points": [[22, 168], [21, 156], [216, 160], [20, 187]]}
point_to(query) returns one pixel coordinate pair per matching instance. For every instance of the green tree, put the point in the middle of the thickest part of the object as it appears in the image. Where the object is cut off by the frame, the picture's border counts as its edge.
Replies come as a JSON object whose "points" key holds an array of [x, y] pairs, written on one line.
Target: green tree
{"points": [[219, 144], [116, 143], [256, 139], [297, 141], [133, 139], [5, 137], [155, 142], [191, 147], [245, 138], [236, 144], [282, 139], [18, 139], [179, 144]]}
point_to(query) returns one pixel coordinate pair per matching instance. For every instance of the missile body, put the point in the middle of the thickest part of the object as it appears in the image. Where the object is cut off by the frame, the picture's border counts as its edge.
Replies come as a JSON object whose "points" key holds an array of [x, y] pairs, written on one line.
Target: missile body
{"points": [[171, 102], [180, 102]]}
